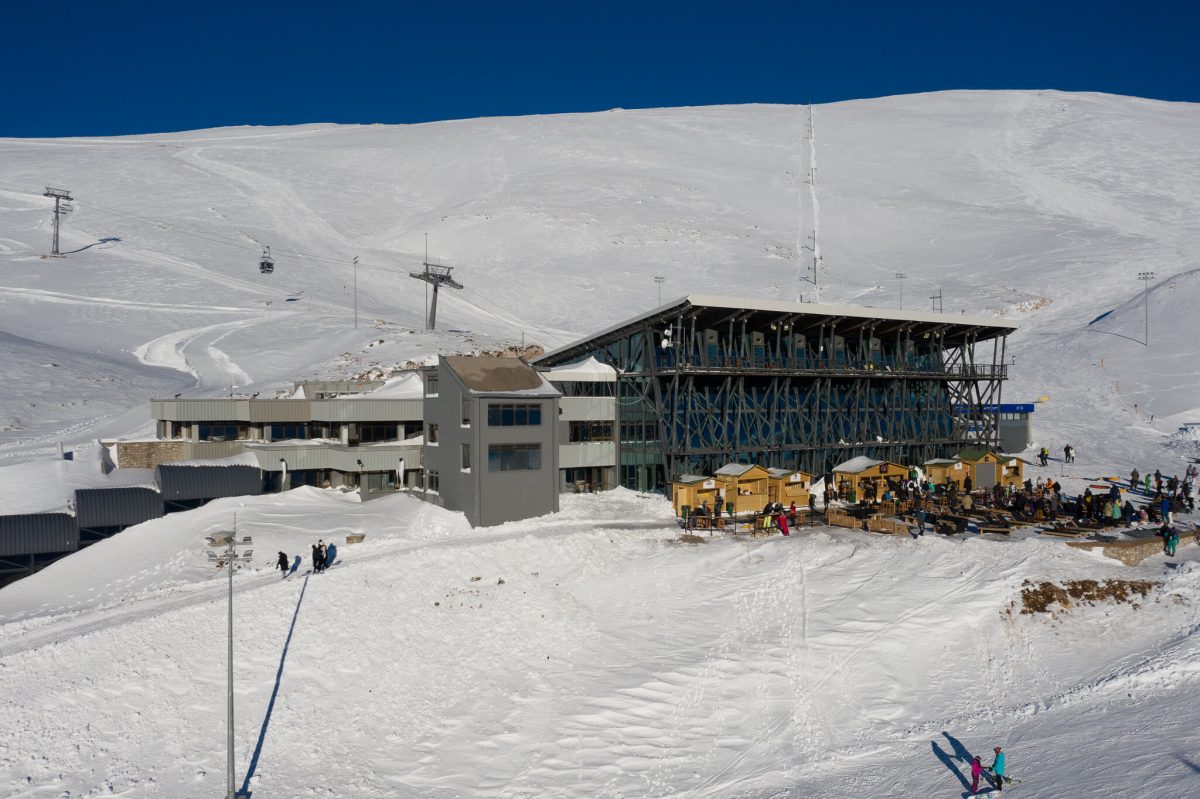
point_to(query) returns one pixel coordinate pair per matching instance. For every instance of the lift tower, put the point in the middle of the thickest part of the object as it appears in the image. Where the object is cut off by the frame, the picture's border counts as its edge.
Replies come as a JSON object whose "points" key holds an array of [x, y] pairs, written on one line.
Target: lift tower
{"points": [[437, 276], [60, 196]]}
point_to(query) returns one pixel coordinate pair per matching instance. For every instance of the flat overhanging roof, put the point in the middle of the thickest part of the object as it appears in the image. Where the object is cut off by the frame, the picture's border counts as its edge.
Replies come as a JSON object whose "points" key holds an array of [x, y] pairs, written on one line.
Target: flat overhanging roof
{"points": [[802, 315]]}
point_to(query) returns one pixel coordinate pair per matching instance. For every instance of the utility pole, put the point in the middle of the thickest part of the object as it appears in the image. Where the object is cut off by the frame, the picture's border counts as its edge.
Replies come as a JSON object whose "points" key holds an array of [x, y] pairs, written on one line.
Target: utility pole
{"points": [[356, 292], [233, 558], [900, 276], [936, 302], [60, 196], [1147, 277], [659, 279]]}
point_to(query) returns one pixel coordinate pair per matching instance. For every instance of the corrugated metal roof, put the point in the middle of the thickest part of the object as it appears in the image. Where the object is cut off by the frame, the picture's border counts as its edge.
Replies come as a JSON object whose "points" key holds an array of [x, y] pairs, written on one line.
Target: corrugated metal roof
{"points": [[38, 534], [207, 482], [1000, 324], [116, 507]]}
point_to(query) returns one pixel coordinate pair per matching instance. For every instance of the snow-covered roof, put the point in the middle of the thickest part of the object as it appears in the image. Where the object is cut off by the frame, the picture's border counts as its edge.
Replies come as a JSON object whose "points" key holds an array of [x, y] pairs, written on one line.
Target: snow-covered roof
{"points": [[504, 376], [587, 371], [688, 479], [858, 464], [240, 459], [735, 469], [775, 471], [940, 462], [405, 386]]}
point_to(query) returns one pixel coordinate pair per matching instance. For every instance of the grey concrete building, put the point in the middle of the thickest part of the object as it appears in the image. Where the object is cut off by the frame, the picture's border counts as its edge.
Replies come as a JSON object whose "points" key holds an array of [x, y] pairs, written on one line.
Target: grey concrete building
{"points": [[587, 425], [491, 439]]}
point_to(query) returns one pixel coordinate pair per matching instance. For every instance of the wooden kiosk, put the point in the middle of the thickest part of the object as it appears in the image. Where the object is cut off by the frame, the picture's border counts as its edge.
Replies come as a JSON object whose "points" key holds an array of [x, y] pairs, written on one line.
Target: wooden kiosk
{"points": [[746, 485], [853, 475], [787, 486], [692, 490]]}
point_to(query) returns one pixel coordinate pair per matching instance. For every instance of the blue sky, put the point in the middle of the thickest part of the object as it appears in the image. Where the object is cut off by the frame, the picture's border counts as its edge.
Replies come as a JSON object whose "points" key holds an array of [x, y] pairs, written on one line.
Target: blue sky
{"points": [[73, 68]]}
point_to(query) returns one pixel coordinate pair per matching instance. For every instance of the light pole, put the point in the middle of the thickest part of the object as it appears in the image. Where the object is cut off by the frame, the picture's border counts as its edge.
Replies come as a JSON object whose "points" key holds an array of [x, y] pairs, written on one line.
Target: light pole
{"points": [[356, 292], [659, 279], [232, 560], [1147, 277], [900, 276]]}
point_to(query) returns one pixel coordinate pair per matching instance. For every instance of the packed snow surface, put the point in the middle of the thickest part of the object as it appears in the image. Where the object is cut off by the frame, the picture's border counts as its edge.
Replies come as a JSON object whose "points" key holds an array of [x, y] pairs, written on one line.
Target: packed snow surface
{"points": [[611, 661]]}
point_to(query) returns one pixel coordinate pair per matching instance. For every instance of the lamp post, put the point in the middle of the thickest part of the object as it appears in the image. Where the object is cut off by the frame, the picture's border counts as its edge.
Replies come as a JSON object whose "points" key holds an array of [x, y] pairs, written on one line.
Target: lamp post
{"points": [[900, 276], [233, 558], [1147, 277], [660, 279]]}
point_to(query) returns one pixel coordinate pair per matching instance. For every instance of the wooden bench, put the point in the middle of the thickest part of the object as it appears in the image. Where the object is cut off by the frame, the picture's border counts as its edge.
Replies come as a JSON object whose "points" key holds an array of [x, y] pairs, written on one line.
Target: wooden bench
{"points": [[840, 519], [994, 530]]}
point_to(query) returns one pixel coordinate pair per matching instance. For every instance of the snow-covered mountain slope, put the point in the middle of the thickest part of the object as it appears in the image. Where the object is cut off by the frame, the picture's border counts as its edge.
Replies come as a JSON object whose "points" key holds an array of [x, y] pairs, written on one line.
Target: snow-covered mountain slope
{"points": [[611, 661], [588, 654], [1039, 205]]}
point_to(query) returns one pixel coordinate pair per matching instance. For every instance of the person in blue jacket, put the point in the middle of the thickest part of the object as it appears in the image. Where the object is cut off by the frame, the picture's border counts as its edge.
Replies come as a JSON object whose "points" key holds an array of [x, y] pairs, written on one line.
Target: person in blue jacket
{"points": [[997, 768], [1164, 507], [330, 555]]}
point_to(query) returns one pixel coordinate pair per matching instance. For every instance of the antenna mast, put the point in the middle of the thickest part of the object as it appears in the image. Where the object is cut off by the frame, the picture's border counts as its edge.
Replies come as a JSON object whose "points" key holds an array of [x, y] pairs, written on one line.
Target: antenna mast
{"points": [[435, 275], [60, 196]]}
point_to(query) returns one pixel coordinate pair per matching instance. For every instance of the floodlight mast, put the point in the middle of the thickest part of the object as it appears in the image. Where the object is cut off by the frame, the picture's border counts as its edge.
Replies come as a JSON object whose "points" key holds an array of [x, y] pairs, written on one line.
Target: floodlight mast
{"points": [[59, 196], [437, 276]]}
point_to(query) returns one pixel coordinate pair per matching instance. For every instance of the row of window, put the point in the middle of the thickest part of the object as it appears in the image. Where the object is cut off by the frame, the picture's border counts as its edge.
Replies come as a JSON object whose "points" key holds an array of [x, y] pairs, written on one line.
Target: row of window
{"points": [[591, 431], [514, 415]]}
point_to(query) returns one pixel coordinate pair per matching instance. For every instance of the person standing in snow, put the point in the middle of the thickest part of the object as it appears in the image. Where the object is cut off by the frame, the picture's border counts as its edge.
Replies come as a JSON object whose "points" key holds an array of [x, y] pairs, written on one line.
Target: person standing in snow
{"points": [[320, 555], [316, 556], [330, 555], [976, 771], [283, 563], [1164, 507], [781, 522], [997, 768], [1133, 480], [1170, 541], [920, 520], [1147, 484]]}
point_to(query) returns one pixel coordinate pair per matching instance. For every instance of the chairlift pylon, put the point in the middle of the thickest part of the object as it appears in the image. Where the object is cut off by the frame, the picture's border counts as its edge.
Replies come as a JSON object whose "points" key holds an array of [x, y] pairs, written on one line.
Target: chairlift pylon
{"points": [[266, 264]]}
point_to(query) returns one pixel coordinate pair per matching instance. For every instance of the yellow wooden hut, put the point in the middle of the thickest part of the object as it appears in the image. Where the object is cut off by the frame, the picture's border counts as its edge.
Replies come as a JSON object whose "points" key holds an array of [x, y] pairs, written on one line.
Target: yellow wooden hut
{"points": [[852, 476], [693, 490], [1012, 470], [787, 486], [939, 470], [746, 485]]}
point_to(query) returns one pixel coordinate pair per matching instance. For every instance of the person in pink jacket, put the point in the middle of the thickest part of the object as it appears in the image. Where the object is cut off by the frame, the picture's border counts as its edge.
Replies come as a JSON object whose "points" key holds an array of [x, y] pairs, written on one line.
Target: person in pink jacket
{"points": [[976, 771], [781, 522]]}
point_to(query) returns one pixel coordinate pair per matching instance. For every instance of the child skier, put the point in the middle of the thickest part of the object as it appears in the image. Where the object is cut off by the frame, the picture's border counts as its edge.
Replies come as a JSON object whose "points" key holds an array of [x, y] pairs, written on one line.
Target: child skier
{"points": [[976, 771]]}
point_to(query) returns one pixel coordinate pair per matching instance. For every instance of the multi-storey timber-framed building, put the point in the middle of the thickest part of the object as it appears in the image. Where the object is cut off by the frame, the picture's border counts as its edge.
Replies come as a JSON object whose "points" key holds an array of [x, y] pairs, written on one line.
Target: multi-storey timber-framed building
{"points": [[705, 380]]}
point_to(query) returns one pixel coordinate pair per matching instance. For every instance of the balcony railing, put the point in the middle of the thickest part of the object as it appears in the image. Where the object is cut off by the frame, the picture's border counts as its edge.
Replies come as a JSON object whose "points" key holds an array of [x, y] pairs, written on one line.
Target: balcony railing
{"points": [[826, 366]]}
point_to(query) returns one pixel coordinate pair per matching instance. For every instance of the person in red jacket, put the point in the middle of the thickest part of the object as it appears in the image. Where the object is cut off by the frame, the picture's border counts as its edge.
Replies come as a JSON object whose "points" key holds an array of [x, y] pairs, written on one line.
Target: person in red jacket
{"points": [[781, 522], [976, 771]]}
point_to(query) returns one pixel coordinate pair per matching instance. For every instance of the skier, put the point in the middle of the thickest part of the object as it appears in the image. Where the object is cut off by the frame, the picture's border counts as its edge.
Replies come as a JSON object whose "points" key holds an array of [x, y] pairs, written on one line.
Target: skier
{"points": [[1147, 484], [976, 771], [997, 768], [283, 563]]}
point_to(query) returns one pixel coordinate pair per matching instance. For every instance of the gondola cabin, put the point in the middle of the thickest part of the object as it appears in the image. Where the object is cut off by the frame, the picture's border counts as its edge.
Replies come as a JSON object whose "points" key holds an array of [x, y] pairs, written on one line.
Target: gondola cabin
{"points": [[266, 264]]}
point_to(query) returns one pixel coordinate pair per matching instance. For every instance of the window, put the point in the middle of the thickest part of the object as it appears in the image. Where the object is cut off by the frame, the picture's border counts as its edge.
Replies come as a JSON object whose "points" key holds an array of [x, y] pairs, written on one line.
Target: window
{"points": [[431, 435], [431, 480], [514, 415], [431, 385], [368, 433], [284, 432], [591, 431], [217, 431], [466, 457], [466, 413], [514, 457]]}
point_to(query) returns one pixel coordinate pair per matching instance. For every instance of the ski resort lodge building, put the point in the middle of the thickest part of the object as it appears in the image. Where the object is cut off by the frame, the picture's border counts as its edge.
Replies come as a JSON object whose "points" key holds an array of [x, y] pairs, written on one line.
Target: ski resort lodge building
{"points": [[707, 380]]}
